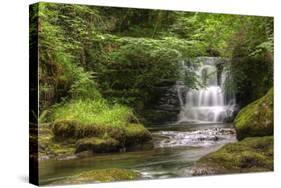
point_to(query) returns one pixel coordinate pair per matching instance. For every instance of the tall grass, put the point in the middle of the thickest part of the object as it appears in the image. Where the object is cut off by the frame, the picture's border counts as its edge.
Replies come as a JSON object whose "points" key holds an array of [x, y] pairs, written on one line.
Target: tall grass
{"points": [[93, 112]]}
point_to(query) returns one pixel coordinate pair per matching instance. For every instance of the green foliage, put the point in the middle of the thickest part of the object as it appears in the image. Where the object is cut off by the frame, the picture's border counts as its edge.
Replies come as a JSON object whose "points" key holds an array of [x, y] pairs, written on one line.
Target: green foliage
{"points": [[211, 30], [252, 53], [84, 87], [63, 35], [43, 116], [88, 52], [156, 60], [136, 65], [87, 118], [245, 81], [88, 112]]}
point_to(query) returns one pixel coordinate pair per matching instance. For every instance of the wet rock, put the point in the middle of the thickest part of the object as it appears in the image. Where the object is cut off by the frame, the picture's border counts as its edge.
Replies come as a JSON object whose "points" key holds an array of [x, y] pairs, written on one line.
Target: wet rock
{"points": [[256, 119], [226, 131], [165, 105], [85, 154], [97, 145], [160, 116], [137, 136], [200, 171]]}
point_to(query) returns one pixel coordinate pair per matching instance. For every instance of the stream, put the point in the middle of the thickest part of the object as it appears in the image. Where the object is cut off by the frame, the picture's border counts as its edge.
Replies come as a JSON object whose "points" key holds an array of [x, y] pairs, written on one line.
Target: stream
{"points": [[176, 149]]}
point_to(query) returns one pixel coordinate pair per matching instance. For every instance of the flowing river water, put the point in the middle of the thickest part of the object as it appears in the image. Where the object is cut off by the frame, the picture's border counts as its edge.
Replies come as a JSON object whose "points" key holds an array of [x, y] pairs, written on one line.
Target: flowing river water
{"points": [[200, 129], [176, 149]]}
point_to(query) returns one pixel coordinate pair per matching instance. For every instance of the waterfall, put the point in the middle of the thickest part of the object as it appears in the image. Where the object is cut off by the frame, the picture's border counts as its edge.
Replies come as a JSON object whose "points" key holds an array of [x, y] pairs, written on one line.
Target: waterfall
{"points": [[208, 104]]}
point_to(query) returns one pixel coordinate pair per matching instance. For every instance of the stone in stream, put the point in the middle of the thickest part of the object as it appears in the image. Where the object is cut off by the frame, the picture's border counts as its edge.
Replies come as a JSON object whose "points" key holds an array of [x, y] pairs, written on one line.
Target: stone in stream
{"points": [[100, 175]]}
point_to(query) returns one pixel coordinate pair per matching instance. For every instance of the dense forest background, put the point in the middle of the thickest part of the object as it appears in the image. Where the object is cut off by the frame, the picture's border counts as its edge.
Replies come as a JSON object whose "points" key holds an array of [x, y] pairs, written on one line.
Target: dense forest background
{"points": [[117, 56]]}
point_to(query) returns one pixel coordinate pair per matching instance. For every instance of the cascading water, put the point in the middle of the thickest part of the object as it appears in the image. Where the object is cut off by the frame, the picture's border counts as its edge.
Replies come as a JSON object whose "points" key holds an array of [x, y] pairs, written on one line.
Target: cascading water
{"points": [[209, 104]]}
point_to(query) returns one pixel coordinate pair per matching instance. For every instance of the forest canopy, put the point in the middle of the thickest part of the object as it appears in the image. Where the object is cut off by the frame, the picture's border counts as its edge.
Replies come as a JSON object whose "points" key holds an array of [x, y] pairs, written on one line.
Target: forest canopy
{"points": [[120, 55]]}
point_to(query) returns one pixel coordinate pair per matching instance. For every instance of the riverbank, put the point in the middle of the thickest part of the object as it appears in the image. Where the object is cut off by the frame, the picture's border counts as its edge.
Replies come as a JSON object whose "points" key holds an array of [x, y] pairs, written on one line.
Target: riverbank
{"points": [[135, 137], [86, 127], [175, 150]]}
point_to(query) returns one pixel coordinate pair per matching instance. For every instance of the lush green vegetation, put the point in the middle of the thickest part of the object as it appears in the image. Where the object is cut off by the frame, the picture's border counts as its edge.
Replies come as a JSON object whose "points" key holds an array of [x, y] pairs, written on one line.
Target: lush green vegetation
{"points": [[93, 112], [99, 66], [124, 53]]}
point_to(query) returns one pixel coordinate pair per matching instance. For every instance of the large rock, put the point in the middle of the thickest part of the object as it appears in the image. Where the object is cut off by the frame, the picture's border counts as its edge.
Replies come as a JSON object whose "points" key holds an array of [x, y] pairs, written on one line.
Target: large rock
{"points": [[102, 138], [165, 105], [97, 145], [137, 138], [253, 154], [256, 119]]}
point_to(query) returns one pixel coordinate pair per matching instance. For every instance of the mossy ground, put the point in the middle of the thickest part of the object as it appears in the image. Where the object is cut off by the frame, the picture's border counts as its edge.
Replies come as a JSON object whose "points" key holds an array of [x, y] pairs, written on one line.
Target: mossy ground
{"points": [[89, 125], [102, 175], [253, 154], [48, 147], [256, 119], [98, 145]]}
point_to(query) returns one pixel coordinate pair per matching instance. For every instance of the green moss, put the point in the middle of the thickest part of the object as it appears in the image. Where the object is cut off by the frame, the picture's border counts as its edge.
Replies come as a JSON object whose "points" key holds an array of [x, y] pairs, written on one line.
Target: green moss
{"points": [[250, 155], [73, 129], [136, 134], [48, 147], [79, 119], [90, 122], [256, 119], [103, 175], [97, 145]]}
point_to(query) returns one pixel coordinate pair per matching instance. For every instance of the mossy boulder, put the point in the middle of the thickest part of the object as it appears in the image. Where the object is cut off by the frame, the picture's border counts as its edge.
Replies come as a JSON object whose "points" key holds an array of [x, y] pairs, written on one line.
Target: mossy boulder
{"points": [[136, 134], [97, 123], [98, 145], [256, 119], [69, 129], [253, 154], [94, 137], [102, 175]]}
